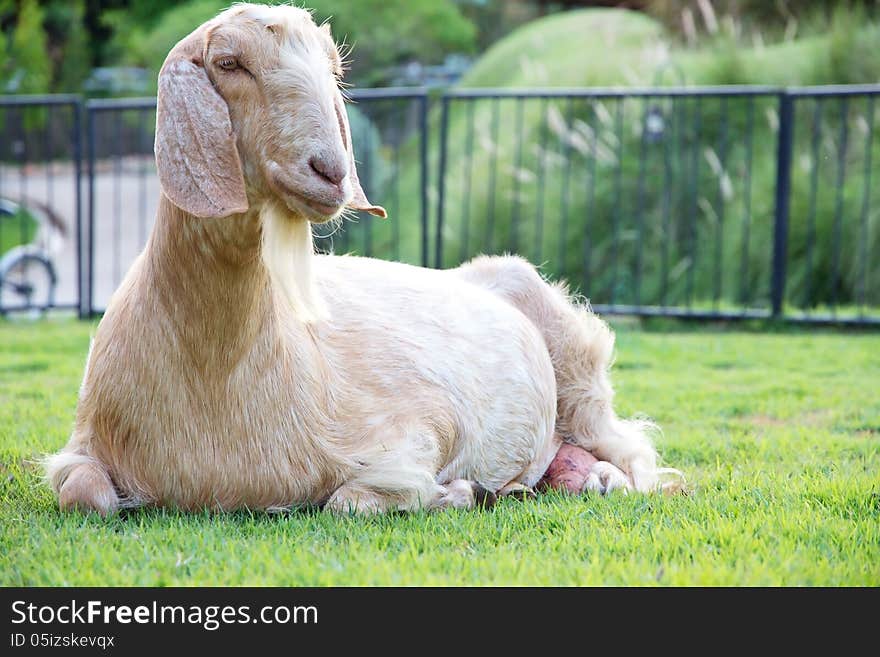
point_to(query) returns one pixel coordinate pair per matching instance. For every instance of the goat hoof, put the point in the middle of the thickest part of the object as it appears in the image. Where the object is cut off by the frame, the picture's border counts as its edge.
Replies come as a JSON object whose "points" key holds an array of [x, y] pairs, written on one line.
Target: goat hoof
{"points": [[605, 477], [483, 497], [517, 491]]}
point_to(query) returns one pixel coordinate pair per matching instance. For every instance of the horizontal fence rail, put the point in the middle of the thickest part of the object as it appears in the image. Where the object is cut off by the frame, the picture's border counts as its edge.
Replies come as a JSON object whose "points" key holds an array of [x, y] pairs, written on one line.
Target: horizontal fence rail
{"points": [[744, 202]]}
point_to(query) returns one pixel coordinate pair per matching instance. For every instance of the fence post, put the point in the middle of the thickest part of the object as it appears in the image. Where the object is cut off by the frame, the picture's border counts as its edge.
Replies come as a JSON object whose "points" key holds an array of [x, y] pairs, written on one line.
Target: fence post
{"points": [[783, 200], [89, 251], [441, 181]]}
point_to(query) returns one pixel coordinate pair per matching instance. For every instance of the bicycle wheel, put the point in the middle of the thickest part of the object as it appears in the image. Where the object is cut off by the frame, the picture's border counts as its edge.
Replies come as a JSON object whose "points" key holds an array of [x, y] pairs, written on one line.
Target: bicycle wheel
{"points": [[27, 280]]}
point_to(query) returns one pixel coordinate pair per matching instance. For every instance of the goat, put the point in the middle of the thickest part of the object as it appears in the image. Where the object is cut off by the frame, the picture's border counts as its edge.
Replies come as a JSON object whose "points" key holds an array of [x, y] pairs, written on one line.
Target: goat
{"points": [[236, 368]]}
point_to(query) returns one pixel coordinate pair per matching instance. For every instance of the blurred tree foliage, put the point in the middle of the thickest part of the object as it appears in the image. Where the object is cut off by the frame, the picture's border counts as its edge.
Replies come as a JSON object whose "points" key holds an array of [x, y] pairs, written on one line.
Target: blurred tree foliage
{"points": [[381, 32], [143, 32], [6, 10], [387, 32], [494, 19], [44, 46], [30, 68], [52, 45], [771, 18], [71, 56]]}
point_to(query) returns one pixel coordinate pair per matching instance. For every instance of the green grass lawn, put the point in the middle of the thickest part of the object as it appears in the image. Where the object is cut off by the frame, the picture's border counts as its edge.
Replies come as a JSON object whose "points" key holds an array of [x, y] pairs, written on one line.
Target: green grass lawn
{"points": [[778, 433]]}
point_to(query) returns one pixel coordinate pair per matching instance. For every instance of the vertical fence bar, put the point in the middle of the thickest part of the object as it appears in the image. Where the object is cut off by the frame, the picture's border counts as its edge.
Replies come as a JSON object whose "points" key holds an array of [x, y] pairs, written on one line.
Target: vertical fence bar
{"points": [[367, 179], [423, 156], [667, 199], [866, 203], [22, 173], [814, 191], [747, 205], [837, 235], [441, 182], [591, 205], [682, 218], [719, 225], [695, 184], [618, 200], [466, 183], [566, 184], [142, 177], [640, 203], [785, 146], [542, 172], [90, 223], [48, 148], [513, 230], [493, 174], [395, 227], [83, 310], [117, 197]]}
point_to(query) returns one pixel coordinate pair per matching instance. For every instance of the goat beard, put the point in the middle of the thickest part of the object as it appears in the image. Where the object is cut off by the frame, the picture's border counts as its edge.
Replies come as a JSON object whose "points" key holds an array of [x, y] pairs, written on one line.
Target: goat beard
{"points": [[287, 252]]}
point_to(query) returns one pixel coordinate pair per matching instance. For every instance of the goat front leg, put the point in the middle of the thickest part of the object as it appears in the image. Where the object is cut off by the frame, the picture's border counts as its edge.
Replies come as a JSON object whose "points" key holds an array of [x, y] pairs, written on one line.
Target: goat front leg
{"points": [[394, 472], [81, 482], [463, 494], [351, 498], [400, 474], [457, 494]]}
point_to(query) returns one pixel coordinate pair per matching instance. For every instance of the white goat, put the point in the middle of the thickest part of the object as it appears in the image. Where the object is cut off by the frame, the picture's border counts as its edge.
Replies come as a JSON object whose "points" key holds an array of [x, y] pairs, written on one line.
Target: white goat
{"points": [[236, 368]]}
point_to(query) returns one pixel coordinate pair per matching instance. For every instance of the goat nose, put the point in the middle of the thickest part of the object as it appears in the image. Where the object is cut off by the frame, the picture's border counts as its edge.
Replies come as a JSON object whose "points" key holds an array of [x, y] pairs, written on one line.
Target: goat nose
{"points": [[331, 171]]}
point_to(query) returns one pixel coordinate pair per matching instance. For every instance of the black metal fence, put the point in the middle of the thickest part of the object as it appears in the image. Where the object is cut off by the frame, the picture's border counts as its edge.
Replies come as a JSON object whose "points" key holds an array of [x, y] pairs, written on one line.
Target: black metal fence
{"points": [[41, 261], [739, 202], [683, 202]]}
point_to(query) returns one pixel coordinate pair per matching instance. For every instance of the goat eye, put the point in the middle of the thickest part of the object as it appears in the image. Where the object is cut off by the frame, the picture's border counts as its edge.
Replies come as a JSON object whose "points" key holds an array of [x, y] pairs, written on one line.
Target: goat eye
{"points": [[228, 64]]}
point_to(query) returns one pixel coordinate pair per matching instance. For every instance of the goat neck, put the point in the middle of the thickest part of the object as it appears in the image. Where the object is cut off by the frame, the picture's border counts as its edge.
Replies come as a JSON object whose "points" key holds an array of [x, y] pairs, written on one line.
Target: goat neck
{"points": [[210, 283]]}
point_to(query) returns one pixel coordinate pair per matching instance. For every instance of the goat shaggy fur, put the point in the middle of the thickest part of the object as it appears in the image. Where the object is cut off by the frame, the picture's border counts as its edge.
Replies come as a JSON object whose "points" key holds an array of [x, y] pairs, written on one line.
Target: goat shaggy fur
{"points": [[235, 368]]}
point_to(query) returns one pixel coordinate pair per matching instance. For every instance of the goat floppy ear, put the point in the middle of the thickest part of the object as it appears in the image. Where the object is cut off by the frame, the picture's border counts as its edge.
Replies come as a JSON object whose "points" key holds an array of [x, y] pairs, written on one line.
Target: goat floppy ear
{"points": [[196, 156], [359, 201]]}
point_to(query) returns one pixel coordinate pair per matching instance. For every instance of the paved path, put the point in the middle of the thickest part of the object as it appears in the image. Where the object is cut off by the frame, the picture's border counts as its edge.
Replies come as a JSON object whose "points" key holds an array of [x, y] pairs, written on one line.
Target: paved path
{"points": [[126, 196]]}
